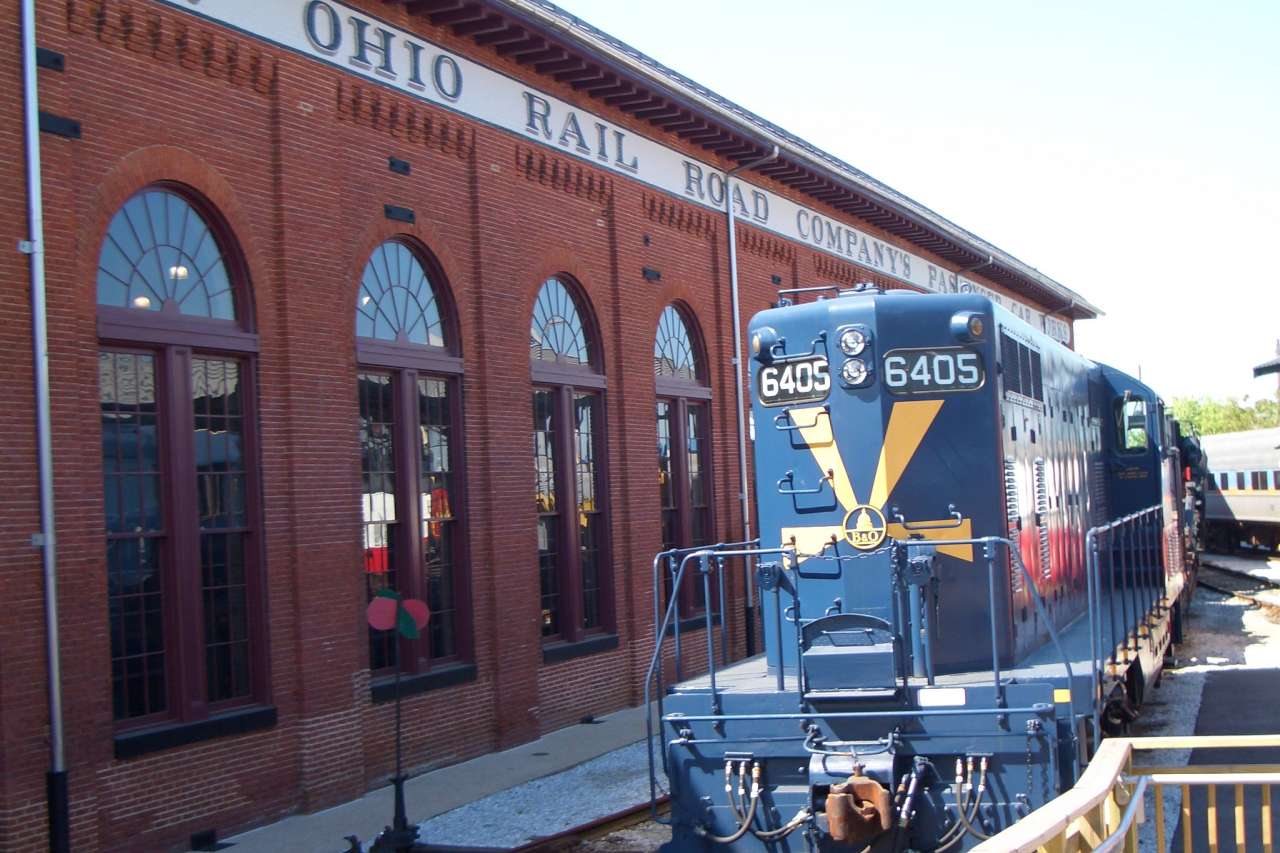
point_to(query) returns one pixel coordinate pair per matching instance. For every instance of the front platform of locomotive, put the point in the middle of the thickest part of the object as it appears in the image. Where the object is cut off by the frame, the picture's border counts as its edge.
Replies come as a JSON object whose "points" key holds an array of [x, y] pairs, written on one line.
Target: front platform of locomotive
{"points": [[873, 721]]}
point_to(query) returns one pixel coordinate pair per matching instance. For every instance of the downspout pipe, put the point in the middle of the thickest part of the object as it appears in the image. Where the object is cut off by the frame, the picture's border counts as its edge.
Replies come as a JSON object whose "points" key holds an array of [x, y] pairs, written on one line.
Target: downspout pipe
{"points": [[739, 387], [56, 778]]}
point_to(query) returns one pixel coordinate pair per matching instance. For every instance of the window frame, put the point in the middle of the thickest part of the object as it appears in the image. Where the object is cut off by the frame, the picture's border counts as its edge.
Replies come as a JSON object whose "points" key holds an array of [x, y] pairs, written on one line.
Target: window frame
{"points": [[566, 381], [176, 341], [1122, 428], [678, 393], [679, 419], [406, 364]]}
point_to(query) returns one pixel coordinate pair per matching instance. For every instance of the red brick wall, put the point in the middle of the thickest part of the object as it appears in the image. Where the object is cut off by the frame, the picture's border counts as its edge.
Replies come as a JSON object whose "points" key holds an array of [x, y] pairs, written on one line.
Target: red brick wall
{"points": [[292, 154]]}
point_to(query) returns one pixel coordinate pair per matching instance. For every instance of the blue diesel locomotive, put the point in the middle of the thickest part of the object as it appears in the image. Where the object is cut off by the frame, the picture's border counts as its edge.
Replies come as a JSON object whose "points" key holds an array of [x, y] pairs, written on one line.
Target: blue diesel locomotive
{"points": [[972, 562]]}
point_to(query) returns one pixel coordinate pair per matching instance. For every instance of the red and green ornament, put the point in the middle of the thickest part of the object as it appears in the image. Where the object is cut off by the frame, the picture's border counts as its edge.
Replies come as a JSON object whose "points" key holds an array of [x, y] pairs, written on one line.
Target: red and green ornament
{"points": [[408, 616]]}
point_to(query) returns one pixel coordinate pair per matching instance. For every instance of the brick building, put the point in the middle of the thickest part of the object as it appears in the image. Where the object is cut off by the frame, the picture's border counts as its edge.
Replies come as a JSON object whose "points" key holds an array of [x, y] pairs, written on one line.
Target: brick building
{"points": [[292, 250]]}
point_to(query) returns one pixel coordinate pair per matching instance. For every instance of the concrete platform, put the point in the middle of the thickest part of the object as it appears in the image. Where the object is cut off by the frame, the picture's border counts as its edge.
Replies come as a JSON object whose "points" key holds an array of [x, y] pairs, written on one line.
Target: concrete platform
{"points": [[1235, 702], [439, 791]]}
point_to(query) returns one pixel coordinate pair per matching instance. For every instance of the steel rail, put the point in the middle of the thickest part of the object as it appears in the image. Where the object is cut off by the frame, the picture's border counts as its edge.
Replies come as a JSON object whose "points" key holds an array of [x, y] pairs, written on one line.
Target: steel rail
{"points": [[621, 819]]}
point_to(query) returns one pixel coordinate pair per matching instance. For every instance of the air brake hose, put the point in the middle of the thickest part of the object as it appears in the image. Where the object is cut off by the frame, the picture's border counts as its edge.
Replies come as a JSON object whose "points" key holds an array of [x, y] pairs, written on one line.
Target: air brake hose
{"points": [[783, 831], [964, 818], [728, 788], [750, 816], [957, 830]]}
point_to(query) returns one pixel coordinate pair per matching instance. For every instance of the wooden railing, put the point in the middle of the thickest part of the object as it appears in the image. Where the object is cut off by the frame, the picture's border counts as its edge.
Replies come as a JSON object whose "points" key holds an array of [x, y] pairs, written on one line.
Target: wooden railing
{"points": [[1105, 809]]}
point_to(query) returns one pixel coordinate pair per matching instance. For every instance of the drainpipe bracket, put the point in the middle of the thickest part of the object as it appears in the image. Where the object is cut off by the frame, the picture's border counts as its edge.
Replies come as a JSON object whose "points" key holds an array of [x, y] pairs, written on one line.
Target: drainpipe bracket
{"points": [[28, 247], [39, 540]]}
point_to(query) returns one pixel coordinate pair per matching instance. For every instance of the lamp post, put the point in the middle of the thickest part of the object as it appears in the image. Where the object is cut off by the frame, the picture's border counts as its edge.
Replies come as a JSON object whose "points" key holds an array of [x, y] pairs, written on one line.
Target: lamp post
{"points": [[407, 617]]}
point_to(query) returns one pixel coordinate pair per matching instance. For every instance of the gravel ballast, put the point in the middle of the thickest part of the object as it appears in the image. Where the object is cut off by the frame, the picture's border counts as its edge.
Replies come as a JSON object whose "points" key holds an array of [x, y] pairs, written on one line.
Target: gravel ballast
{"points": [[594, 789]]}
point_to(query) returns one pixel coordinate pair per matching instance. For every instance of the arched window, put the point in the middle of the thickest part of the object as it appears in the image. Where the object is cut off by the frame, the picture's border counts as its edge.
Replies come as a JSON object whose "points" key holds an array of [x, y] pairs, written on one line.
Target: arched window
{"points": [[569, 492], [160, 255], [407, 385], [556, 333], [684, 452], [179, 455], [673, 354], [397, 302]]}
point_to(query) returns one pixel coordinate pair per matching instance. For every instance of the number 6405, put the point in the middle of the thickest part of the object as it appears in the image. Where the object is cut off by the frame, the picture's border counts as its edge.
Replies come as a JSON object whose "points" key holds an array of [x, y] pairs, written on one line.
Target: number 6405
{"points": [[919, 371]]}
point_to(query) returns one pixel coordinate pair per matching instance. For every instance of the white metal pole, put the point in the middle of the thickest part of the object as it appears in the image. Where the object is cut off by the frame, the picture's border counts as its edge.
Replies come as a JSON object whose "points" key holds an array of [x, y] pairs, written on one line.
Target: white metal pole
{"points": [[739, 389], [34, 246]]}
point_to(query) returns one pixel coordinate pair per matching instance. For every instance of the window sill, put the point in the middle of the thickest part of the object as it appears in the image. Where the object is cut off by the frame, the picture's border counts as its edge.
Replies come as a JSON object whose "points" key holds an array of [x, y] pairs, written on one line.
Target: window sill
{"points": [[560, 652], [689, 624], [170, 735], [384, 689]]}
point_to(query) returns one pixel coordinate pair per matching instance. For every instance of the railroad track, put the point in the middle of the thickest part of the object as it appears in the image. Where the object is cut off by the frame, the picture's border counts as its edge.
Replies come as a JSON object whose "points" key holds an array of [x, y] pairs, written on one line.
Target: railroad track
{"points": [[1260, 591], [594, 830]]}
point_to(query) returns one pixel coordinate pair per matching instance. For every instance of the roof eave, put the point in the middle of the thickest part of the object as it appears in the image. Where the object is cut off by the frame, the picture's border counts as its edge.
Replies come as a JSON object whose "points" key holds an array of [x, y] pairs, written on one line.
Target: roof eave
{"points": [[1267, 367], [549, 18]]}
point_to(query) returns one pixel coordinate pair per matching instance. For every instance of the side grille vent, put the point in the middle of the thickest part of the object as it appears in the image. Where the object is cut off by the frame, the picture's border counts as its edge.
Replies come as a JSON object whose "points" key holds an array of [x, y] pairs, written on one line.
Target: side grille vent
{"points": [[1042, 517], [1014, 514]]}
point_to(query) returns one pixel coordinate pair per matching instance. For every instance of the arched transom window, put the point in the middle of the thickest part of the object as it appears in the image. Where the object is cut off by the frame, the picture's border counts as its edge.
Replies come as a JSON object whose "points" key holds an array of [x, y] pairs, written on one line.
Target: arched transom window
{"points": [[673, 353], [180, 482], [569, 473], [160, 255], [556, 332], [397, 301], [411, 500], [684, 452]]}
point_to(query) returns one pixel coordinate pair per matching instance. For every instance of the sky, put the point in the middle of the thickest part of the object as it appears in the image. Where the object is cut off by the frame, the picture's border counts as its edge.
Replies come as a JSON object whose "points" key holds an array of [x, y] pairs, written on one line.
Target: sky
{"points": [[1128, 150]]}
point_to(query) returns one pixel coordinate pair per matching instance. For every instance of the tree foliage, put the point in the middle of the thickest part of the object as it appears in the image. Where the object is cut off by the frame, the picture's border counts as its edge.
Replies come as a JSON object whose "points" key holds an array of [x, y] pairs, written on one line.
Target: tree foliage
{"points": [[1208, 416]]}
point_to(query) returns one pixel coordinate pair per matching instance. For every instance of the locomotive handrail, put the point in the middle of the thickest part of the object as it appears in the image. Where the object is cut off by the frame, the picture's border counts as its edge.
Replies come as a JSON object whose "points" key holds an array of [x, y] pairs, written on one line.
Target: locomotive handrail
{"points": [[1041, 709], [957, 520], [786, 413], [987, 542], [1133, 569], [799, 356], [704, 554], [658, 560], [820, 288], [790, 476], [666, 557], [1093, 578]]}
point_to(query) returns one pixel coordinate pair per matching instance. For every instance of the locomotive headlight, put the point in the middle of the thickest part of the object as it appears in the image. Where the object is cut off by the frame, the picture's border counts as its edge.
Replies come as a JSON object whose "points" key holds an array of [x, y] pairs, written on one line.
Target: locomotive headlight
{"points": [[854, 371], [852, 341], [763, 340], [968, 326]]}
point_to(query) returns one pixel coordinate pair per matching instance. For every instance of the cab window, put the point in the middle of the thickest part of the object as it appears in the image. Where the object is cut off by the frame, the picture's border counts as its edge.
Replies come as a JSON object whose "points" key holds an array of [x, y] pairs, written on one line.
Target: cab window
{"points": [[1131, 425]]}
